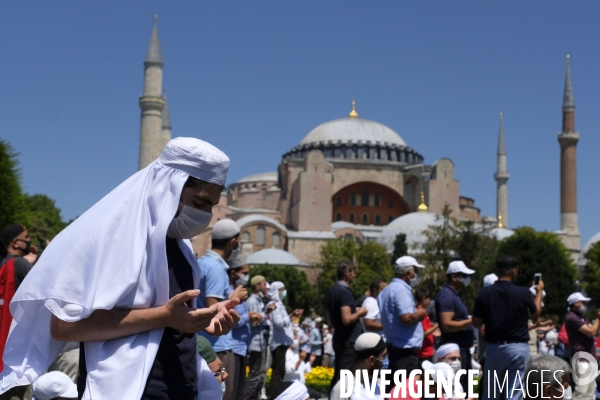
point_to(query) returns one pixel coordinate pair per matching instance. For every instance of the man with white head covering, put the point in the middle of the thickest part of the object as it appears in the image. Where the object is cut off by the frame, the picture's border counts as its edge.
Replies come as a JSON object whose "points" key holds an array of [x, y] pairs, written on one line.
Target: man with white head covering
{"points": [[291, 390], [282, 334], [122, 279], [581, 338], [214, 285]]}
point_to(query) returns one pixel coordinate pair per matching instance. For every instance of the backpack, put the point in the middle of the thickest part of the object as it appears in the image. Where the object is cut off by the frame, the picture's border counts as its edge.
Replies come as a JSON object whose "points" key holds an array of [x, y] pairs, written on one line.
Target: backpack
{"points": [[7, 291]]}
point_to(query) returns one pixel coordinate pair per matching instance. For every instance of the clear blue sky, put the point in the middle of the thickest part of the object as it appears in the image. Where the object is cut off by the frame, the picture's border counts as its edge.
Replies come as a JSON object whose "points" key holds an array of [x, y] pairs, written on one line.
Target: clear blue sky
{"points": [[254, 78]]}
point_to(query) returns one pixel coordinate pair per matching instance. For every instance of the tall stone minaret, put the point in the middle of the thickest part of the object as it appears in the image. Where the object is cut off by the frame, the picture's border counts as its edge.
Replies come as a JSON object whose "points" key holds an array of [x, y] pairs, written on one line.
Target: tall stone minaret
{"points": [[501, 176], [151, 103], [165, 133], [568, 139]]}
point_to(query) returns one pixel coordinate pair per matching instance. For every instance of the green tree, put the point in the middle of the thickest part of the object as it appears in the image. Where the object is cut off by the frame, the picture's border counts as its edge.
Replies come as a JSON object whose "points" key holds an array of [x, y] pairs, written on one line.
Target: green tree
{"points": [[400, 247], [591, 274], [12, 208], [300, 293], [43, 219], [545, 253], [370, 259]]}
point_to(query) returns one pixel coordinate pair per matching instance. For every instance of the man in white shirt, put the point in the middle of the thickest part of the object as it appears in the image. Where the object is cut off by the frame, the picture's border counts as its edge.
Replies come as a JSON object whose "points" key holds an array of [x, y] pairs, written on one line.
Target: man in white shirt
{"points": [[373, 317], [327, 347]]}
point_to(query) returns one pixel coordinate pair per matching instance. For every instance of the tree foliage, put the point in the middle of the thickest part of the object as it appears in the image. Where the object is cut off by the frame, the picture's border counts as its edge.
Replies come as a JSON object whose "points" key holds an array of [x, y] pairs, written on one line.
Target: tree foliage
{"points": [[591, 274], [43, 219], [300, 293], [542, 252], [456, 240], [12, 207], [371, 261], [400, 247]]}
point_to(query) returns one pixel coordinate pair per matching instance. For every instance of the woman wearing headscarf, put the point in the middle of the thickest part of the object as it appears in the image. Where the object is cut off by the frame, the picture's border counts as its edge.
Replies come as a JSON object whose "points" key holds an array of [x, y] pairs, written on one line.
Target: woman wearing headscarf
{"points": [[282, 333], [121, 279]]}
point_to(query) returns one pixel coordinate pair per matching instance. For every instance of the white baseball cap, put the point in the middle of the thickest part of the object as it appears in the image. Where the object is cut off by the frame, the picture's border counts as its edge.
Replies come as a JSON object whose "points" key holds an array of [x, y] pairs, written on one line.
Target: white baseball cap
{"points": [[459, 267], [489, 279], [575, 297], [408, 261], [54, 384]]}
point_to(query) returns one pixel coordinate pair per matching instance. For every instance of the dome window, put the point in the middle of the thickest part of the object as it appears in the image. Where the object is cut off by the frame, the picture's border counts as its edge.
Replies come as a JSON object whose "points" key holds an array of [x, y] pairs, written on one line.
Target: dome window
{"points": [[378, 219], [365, 219], [352, 199], [276, 239], [246, 237], [364, 199], [339, 201], [260, 235], [390, 218], [338, 216], [351, 217]]}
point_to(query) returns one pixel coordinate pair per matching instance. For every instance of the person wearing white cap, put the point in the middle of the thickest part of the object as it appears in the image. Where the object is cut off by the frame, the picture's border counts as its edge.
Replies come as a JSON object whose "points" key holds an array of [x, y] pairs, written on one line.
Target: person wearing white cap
{"points": [[291, 390], [453, 315], [122, 279], [316, 340], [400, 317], [505, 309], [371, 353], [54, 385], [581, 337], [214, 285]]}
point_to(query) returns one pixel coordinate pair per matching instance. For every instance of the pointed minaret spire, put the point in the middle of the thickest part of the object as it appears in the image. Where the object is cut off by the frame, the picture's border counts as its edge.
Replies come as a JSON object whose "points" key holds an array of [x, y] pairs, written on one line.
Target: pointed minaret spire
{"points": [[501, 177], [568, 101], [568, 139], [153, 55]]}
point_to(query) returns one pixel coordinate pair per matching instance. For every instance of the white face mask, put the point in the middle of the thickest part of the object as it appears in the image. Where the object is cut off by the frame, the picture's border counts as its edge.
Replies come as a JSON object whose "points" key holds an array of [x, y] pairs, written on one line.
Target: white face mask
{"points": [[414, 281], [189, 223], [455, 365], [242, 280]]}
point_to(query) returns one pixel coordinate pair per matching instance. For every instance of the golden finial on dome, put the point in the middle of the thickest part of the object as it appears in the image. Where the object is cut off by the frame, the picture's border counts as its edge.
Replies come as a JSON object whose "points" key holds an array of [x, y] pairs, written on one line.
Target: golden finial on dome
{"points": [[422, 206], [353, 113], [500, 221]]}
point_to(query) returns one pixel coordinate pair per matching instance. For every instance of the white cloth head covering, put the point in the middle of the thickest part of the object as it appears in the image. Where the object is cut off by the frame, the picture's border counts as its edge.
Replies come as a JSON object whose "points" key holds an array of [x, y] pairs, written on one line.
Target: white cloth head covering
{"points": [[274, 290], [444, 350], [533, 291], [489, 279], [54, 384], [113, 256], [443, 367], [296, 391]]}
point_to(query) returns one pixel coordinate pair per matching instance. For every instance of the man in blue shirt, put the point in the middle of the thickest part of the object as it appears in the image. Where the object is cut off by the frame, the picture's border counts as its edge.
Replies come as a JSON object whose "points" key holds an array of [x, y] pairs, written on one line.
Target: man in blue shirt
{"points": [[400, 317], [214, 282], [453, 316]]}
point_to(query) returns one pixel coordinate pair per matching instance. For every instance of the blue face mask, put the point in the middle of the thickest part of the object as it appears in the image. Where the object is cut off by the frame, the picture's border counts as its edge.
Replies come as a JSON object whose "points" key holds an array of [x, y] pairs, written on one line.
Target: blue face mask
{"points": [[283, 294], [386, 363]]}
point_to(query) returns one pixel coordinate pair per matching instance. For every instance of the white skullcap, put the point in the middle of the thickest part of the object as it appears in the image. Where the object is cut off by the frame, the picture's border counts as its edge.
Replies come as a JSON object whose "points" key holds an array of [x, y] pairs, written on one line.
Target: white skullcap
{"points": [[575, 297], [296, 391], [238, 261], [552, 336], [54, 384], [325, 326], [444, 350], [368, 344], [445, 369], [489, 279], [225, 229], [318, 319], [196, 158], [533, 291]]}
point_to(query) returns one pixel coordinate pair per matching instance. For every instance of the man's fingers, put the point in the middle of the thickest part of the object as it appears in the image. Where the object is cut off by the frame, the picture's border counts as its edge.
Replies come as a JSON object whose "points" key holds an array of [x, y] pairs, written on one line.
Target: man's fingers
{"points": [[181, 298], [229, 304]]}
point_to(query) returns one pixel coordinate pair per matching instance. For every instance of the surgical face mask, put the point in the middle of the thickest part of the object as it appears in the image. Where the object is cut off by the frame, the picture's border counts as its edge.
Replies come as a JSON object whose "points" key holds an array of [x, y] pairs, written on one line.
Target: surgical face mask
{"points": [[242, 280], [466, 281], [414, 281], [189, 223], [283, 295], [455, 365], [386, 363]]}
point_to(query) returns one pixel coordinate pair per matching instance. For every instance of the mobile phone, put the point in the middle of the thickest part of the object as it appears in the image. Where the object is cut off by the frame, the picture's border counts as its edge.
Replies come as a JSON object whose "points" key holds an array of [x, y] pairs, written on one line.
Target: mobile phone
{"points": [[537, 278]]}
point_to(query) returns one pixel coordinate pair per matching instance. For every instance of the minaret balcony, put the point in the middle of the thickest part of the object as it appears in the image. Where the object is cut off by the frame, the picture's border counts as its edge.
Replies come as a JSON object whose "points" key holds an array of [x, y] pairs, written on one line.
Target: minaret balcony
{"points": [[502, 176], [148, 103]]}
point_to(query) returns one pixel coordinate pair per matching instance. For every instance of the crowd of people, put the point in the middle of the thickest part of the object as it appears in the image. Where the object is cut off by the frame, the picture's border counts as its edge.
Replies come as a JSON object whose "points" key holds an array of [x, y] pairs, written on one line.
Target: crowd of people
{"points": [[119, 307]]}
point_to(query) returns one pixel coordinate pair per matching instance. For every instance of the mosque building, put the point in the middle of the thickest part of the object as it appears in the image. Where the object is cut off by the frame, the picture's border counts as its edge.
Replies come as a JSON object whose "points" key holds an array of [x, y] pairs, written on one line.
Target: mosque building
{"points": [[349, 177]]}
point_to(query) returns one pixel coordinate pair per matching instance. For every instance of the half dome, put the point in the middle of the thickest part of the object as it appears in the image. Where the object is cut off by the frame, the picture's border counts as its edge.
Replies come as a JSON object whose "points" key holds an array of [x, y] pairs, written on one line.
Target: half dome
{"points": [[273, 257], [413, 225], [353, 130]]}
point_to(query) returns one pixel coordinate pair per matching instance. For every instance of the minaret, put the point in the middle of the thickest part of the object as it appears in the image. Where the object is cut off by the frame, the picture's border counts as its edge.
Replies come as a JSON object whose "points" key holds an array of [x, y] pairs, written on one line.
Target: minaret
{"points": [[151, 103], [165, 134], [568, 139], [501, 177]]}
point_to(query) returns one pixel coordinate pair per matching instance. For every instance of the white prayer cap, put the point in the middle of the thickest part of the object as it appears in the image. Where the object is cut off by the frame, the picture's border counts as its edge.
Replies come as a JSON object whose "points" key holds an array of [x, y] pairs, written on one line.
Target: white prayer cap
{"points": [[225, 229], [489, 279], [408, 261], [196, 158], [307, 321], [54, 384], [238, 261], [296, 391], [444, 350], [318, 319], [368, 344], [552, 337], [575, 297], [459, 267], [445, 369], [533, 291]]}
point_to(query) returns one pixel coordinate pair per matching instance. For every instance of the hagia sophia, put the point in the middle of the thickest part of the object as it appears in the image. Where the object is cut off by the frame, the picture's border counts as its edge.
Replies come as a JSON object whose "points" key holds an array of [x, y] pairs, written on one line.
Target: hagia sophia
{"points": [[351, 177]]}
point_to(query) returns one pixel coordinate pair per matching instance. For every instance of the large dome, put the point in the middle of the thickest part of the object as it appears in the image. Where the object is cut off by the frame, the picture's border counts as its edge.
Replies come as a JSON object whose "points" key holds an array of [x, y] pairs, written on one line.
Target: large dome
{"points": [[413, 225], [353, 130]]}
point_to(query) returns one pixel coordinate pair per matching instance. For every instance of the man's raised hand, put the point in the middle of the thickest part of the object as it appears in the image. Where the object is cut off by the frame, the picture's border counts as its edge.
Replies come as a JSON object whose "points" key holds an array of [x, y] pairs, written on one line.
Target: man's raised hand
{"points": [[225, 319], [188, 319]]}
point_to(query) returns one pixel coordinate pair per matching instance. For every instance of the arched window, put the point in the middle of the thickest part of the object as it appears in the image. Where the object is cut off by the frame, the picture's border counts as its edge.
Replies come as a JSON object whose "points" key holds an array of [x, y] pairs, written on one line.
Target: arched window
{"points": [[352, 199], [365, 219], [378, 219], [377, 200], [275, 239], [338, 216], [364, 198], [246, 237], [338, 201], [391, 203], [351, 217], [390, 218], [260, 235]]}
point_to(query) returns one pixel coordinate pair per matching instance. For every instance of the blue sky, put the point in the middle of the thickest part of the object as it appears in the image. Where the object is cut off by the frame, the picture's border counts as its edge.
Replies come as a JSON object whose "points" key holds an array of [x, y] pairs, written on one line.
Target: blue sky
{"points": [[254, 78]]}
